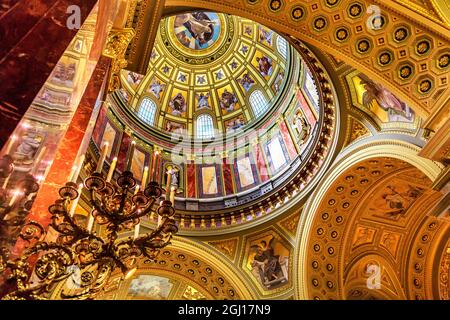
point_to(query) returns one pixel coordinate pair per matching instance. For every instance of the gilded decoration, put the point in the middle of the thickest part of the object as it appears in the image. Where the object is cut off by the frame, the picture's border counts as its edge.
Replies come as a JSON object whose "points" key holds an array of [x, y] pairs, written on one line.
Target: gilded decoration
{"points": [[227, 247], [115, 48]]}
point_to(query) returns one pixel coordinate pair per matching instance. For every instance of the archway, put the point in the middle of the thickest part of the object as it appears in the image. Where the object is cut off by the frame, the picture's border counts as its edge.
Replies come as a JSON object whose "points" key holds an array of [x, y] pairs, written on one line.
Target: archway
{"points": [[372, 199]]}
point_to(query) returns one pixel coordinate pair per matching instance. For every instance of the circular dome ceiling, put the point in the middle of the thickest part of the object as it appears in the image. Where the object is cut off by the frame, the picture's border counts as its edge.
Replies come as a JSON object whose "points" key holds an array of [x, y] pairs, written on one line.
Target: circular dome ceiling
{"points": [[229, 69], [211, 72]]}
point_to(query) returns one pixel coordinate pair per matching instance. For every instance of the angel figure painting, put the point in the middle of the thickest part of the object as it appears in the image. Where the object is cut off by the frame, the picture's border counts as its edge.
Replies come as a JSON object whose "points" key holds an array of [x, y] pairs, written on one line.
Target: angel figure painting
{"points": [[394, 200], [246, 81], [156, 88], [265, 66], [265, 36], [134, 79], [197, 30], [269, 261], [381, 101]]}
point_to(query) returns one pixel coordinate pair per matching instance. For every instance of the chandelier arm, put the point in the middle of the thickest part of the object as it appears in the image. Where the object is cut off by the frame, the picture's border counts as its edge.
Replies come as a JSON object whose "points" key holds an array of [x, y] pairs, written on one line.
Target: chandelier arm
{"points": [[143, 213]]}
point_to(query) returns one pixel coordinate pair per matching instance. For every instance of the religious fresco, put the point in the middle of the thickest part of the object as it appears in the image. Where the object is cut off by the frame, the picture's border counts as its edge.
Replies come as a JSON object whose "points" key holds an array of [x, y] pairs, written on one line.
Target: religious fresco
{"points": [[202, 101], [54, 98], [134, 79], [197, 30], [266, 36], [228, 100], [264, 64], [197, 65], [174, 127], [246, 81], [64, 72], [150, 287], [157, 88], [178, 104], [267, 259], [394, 199], [235, 123], [278, 83], [379, 102]]}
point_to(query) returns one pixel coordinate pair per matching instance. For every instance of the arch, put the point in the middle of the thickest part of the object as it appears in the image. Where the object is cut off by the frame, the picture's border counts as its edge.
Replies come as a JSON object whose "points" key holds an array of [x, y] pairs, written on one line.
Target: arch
{"points": [[366, 150], [147, 111], [312, 26], [360, 274], [204, 127], [258, 102]]}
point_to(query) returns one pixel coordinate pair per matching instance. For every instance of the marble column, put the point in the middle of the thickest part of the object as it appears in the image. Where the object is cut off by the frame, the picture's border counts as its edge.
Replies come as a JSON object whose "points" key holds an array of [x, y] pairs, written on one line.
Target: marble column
{"points": [[33, 37], [77, 134]]}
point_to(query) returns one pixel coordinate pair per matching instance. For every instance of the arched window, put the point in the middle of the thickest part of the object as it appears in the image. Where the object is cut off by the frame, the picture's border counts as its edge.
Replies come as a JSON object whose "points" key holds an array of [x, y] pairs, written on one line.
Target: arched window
{"points": [[282, 46], [259, 103], [147, 111], [205, 127]]}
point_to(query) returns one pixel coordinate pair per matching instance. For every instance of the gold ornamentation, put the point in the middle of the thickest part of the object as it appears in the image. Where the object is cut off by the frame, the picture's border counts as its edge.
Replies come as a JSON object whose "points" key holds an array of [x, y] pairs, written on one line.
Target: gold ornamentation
{"points": [[227, 247], [116, 46]]}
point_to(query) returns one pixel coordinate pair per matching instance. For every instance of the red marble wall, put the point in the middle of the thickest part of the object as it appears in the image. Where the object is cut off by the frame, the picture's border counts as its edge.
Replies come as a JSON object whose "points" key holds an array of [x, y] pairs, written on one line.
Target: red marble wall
{"points": [[288, 140], [100, 125], [227, 178], [33, 37], [123, 151], [261, 164], [191, 184]]}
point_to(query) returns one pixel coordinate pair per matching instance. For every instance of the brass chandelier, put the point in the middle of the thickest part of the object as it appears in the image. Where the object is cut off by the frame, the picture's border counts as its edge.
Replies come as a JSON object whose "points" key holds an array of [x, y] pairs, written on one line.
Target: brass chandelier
{"points": [[117, 205]]}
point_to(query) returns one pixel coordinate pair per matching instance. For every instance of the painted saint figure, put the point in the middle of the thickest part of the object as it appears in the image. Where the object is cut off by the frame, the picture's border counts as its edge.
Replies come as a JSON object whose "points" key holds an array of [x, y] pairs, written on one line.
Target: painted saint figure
{"points": [[178, 105], [246, 81], [157, 87], [203, 101], [269, 267], [265, 66], [228, 101], [397, 110]]}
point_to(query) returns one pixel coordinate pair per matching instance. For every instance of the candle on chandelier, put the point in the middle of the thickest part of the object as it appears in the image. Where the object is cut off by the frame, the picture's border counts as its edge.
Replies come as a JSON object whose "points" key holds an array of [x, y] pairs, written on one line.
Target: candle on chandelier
{"points": [[74, 205], [136, 230], [130, 155], [72, 173], [111, 169], [5, 183], [136, 190], [102, 159], [16, 194], [153, 171], [169, 177], [38, 160], [144, 177], [79, 166], [10, 144]]}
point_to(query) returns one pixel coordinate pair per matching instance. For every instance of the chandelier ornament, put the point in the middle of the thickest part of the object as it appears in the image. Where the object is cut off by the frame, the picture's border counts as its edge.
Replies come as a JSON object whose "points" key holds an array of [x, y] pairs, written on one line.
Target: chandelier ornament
{"points": [[78, 254]]}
